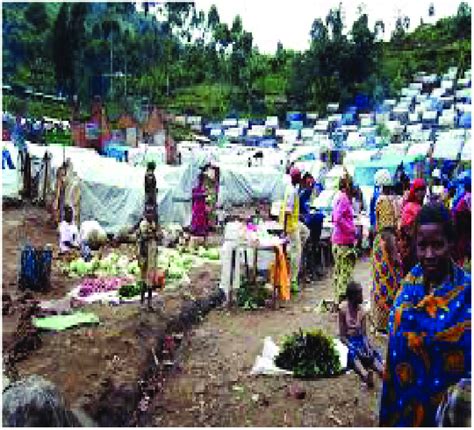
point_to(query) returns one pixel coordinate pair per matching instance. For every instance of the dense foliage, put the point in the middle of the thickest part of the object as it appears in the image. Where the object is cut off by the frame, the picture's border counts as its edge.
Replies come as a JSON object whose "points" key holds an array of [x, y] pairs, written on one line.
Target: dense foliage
{"points": [[187, 60], [309, 354]]}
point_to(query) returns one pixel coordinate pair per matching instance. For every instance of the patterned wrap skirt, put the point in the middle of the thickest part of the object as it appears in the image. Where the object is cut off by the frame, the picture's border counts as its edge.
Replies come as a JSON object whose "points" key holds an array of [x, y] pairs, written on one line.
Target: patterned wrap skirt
{"points": [[386, 281], [344, 264]]}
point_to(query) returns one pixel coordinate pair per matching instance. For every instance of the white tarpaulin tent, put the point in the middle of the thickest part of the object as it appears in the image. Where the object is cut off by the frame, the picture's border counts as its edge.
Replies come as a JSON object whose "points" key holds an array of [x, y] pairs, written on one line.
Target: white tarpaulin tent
{"points": [[419, 149], [447, 149], [466, 152], [353, 157], [112, 193], [240, 184]]}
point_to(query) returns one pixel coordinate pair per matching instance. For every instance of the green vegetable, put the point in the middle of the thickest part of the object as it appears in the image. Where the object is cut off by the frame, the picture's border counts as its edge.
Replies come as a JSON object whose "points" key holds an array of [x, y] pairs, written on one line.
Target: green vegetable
{"points": [[81, 268], [88, 267], [129, 291], [73, 266], [309, 354], [114, 258], [212, 254], [252, 296], [175, 272]]}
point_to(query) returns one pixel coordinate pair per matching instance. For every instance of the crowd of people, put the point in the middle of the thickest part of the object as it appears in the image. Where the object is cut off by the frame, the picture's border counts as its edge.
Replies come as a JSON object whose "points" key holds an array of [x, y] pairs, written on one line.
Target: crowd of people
{"points": [[420, 296]]}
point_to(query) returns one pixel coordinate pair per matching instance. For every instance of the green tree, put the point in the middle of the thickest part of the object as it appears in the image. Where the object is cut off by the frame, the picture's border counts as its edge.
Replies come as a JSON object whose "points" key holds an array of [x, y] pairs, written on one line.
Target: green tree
{"points": [[62, 49], [36, 14]]}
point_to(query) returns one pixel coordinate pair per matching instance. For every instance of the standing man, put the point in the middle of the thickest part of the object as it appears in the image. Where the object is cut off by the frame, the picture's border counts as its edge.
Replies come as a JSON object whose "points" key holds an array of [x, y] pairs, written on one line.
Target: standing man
{"points": [[289, 218]]}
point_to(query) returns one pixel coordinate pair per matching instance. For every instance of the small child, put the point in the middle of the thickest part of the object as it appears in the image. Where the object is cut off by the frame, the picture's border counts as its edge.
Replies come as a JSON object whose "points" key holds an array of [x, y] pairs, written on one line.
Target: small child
{"points": [[362, 357], [68, 233], [148, 237]]}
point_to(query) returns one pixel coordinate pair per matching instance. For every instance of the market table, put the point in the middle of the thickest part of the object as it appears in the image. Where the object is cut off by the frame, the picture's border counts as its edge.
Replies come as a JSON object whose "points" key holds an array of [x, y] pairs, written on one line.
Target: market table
{"points": [[256, 247]]}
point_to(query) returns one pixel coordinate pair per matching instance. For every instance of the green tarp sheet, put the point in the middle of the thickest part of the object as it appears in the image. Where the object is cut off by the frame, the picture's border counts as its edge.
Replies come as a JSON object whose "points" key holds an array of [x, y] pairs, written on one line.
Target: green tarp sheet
{"points": [[63, 322]]}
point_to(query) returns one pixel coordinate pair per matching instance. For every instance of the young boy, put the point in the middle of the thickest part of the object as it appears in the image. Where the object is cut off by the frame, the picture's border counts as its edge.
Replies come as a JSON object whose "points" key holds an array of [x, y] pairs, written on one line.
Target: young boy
{"points": [[148, 236], [362, 357], [68, 233]]}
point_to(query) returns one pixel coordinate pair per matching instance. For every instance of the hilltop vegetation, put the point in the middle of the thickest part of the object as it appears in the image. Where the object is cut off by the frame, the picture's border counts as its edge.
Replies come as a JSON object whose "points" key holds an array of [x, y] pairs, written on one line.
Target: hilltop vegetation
{"points": [[189, 61]]}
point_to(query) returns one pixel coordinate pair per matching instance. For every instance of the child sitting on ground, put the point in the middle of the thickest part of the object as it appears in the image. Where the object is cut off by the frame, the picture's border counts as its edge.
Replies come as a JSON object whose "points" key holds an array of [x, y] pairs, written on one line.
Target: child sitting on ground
{"points": [[362, 357]]}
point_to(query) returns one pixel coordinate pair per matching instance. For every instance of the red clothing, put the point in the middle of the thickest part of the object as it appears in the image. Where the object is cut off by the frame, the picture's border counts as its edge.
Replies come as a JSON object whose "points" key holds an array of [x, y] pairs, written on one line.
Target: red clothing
{"points": [[411, 207], [409, 212]]}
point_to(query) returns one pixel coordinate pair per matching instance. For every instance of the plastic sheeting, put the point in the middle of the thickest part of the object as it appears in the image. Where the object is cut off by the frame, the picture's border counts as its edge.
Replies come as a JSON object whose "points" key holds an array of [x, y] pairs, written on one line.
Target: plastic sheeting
{"points": [[447, 149], [240, 185], [117, 199], [63, 322]]}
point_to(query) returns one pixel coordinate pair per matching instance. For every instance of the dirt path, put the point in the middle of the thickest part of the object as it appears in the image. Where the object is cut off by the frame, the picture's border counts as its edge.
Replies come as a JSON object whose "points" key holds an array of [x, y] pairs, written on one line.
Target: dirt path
{"points": [[214, 388]]}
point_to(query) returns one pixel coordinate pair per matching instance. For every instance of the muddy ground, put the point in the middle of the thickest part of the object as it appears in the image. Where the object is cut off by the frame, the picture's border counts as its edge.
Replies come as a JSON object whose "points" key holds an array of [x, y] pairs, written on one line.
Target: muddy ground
{"points": [[215, 388], [92, 364], [98, 368]]}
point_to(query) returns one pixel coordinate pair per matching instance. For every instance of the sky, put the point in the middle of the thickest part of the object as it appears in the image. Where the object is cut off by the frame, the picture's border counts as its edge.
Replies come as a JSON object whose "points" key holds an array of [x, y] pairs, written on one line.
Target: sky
{"points": [[290, 21]]}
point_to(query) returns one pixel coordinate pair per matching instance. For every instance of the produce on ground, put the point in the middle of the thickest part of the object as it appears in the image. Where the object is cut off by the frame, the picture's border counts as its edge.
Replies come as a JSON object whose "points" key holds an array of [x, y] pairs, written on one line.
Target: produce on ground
{"points": [[100, 285], [309, 354], [130, 290], [252, 296], [112, 265], [175, 263]]}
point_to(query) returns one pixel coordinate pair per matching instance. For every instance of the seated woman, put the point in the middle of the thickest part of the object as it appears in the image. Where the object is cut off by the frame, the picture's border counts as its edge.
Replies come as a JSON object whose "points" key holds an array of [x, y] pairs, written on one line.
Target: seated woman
{"points": [[68, 233], [429, 348], [362, 357]]}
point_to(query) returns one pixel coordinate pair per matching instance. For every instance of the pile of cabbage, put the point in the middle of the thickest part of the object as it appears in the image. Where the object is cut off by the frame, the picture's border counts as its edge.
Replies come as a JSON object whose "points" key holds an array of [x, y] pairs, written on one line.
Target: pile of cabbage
{"points": [[175, 263], [112, 265]]}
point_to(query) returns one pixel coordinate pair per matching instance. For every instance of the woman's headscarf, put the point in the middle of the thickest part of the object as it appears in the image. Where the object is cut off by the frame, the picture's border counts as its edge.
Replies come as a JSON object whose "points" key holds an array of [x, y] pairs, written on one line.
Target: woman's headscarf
{"points": [[412, 206], [418, 183]]}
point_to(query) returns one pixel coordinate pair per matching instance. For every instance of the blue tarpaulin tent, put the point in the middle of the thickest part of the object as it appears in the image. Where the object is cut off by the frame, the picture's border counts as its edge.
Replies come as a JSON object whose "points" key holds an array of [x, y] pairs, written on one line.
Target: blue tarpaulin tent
{"points": [[465, 120]]}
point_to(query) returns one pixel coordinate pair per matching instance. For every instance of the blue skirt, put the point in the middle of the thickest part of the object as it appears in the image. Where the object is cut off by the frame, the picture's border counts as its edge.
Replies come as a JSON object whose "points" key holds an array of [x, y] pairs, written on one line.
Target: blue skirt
{"points": [[357, 349]]}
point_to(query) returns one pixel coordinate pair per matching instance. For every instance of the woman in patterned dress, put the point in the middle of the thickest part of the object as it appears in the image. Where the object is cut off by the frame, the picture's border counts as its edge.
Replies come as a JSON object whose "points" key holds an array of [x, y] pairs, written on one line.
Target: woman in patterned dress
{"points": [[385, 260], [429, 348], [199, 220]]}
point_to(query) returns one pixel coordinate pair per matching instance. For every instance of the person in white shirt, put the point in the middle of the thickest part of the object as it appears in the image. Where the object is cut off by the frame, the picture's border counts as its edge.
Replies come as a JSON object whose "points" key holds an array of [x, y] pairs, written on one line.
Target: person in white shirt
{"points": [[68, 232]]}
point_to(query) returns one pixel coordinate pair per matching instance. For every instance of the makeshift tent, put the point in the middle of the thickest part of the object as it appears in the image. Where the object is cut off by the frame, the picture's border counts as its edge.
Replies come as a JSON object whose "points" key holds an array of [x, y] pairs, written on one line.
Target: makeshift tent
{"points": [[154, 123], [447, 149], [112, 193], [466, 152], [239, 185], [354, 157], [419, 149], [364, 171], [304, 153]]}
